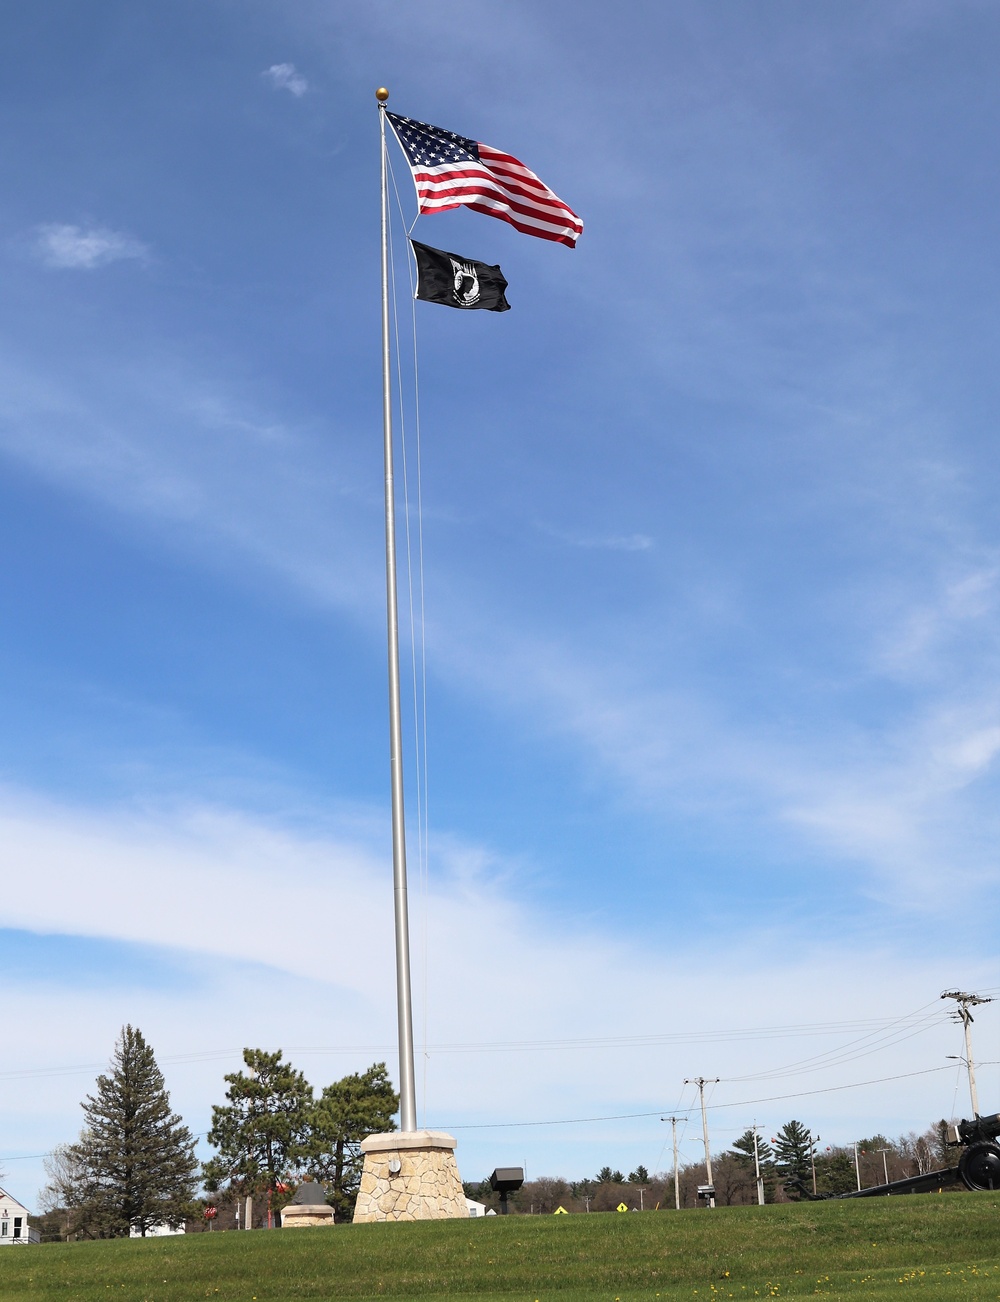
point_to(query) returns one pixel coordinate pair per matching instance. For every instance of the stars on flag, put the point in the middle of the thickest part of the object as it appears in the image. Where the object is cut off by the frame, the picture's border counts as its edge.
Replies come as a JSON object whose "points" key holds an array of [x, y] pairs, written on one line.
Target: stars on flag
{"points": [[450, 170]]}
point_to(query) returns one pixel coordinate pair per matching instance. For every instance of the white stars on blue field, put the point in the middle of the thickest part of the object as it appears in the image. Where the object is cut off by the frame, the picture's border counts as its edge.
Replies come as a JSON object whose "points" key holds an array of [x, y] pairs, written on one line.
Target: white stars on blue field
{"points": [[428, 146]]}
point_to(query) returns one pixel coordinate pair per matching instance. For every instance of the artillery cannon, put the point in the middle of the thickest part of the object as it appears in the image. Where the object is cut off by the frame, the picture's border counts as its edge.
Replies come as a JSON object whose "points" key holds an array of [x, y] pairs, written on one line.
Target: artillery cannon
{"points": [[978, 1165]]}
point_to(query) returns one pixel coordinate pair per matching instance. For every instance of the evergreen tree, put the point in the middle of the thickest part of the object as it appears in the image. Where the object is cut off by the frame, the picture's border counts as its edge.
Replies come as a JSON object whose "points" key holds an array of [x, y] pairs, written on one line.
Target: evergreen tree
{"points": [[793, 1150], [133, 1166], [835, 1171], [605, 1175], [639, 1176], [348, 1110], [263, 1127], [743, 1153]]}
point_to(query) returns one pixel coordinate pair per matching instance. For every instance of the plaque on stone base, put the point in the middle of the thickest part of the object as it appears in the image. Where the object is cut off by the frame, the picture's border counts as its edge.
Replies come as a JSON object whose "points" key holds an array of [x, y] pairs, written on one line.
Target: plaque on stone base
{"points": [[410, 1176]]}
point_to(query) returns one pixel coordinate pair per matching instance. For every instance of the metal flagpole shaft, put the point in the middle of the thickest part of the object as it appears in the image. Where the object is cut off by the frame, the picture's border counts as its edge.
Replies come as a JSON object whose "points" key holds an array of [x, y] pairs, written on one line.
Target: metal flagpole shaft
{"points": [[404, 1008]]}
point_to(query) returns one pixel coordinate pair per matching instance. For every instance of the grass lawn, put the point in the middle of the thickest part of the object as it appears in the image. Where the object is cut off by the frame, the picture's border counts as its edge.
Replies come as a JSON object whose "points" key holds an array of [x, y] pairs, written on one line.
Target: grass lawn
{"points": [[940, 1246]]}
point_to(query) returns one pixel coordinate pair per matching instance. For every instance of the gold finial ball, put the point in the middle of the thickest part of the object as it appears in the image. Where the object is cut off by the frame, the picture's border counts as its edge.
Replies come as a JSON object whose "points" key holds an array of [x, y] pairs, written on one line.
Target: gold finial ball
{"points": [[381, 94]]}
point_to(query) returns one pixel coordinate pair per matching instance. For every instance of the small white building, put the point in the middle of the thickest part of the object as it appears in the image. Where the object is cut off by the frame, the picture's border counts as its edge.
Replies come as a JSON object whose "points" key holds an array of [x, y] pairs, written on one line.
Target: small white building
{"points": [[14, 1227], [155, 1232]]}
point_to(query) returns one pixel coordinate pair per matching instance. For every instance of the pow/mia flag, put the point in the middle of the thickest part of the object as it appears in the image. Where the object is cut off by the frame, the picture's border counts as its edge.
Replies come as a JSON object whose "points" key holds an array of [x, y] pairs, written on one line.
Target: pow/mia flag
{"points": [[458, 282]]}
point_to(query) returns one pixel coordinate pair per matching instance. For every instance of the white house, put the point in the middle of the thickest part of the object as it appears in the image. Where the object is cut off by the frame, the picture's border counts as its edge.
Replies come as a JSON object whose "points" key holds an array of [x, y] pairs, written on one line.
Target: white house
{"points": [[14, 1227]]}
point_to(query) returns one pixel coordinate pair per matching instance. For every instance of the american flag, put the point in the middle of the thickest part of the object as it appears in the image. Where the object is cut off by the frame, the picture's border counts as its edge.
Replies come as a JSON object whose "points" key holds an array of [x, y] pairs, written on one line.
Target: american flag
{"points": [[450, 170]]}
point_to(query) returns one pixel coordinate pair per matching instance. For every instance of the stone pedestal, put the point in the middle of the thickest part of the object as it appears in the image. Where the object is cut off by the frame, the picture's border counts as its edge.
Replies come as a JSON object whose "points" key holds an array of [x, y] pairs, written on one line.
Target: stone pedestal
{"points": [[410, 1176], [297, 1216]]}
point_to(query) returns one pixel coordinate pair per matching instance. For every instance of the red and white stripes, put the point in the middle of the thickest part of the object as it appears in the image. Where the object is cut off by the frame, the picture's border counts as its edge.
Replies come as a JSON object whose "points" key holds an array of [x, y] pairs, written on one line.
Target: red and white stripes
{"points": [[499, 186]]}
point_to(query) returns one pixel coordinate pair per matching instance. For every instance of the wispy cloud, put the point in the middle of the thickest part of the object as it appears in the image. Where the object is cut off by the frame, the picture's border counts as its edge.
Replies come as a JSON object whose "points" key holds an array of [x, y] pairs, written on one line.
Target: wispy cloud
{"points": [[61, 244], [615, 542], [186, 889], [917, 642], [283, 76], [897, 801]]}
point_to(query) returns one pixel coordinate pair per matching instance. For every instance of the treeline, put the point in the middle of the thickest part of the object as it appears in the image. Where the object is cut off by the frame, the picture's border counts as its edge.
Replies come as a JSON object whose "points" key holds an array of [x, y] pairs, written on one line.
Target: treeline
{"points": [[793, 1153], [133, 1166]]}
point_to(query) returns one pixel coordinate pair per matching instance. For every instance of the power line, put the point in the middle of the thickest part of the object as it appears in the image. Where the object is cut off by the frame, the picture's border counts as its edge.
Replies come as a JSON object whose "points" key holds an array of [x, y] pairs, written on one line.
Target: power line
{"points": [[742, 1103], [792, 1031], [832, 1057], [632, 1116]]}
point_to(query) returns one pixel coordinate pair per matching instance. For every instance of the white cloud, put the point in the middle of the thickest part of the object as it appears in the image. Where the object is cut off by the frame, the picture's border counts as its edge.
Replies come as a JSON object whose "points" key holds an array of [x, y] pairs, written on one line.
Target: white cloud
{"points": [[975, 752], [62, 245], [894, 800], [283, 76], [289, 933], [621, 542], [916, 642]]}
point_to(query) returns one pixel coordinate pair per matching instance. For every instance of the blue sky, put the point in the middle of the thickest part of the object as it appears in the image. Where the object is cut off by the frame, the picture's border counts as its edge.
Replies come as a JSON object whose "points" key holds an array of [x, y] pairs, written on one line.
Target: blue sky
{"points": [[712, 564]]}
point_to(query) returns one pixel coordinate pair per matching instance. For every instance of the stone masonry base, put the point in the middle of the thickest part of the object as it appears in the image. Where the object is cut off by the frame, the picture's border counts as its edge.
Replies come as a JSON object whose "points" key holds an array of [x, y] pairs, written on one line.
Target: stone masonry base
{"points": [[410, 1176], [297, 1215]]}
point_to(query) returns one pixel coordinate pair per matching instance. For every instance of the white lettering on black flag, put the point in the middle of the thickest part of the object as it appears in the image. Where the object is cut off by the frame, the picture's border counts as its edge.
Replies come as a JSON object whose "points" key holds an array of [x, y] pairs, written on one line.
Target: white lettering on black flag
{"points": [[454, 281]]}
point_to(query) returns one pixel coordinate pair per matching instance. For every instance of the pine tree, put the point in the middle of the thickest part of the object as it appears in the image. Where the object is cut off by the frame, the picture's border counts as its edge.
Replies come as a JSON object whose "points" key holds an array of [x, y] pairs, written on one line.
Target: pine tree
{"points": [[263, 1128], [743, 1152], [793, 1149], [133, 1166], [348, 1110], [835, 1172]]}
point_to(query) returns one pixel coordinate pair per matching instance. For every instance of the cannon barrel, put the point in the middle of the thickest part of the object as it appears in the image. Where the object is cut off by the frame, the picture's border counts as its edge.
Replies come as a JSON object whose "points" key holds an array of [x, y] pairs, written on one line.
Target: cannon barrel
{"points": [[977, 1131]]}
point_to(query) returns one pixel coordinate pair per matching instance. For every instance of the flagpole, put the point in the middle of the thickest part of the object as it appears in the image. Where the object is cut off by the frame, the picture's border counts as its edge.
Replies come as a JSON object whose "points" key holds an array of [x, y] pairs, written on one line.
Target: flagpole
{"points": [[404, 1006]]}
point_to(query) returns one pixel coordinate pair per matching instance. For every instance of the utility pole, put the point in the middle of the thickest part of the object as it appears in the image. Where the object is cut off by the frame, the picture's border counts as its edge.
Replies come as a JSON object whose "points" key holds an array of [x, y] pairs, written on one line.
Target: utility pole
{"points": [[812, 1155], [701, 1082], [857, 1164], [756, 1167], [962, 1014], [677, 1186], [885, 1164]]}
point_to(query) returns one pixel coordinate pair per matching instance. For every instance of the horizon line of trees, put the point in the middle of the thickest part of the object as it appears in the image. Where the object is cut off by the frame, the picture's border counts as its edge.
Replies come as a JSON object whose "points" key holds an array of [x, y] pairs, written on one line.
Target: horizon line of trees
{"points": [[792, 1153], [133, 1165]]}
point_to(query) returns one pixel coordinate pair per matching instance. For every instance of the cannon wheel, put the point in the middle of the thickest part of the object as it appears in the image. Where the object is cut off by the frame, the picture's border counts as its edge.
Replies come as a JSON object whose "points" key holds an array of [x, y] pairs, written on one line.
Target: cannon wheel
{"points": [[979, 1166]]}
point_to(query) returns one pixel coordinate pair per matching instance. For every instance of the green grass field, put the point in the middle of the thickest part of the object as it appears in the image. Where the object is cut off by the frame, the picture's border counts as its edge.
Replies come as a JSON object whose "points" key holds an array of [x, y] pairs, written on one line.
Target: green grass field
{"points": [[947, 1247]]}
